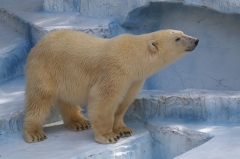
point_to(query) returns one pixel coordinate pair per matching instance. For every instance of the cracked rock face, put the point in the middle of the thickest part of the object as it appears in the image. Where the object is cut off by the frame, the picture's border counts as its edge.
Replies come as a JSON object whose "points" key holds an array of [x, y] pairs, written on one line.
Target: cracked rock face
{"points": [[224, 6], [115, 8], [187, 104], [171, 141], [213, 65]]}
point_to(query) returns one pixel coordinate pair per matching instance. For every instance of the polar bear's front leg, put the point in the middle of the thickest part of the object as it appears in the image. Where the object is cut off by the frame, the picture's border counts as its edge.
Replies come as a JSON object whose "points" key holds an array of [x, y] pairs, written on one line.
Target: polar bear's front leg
{"points": [[102, 105], [119, 127]]}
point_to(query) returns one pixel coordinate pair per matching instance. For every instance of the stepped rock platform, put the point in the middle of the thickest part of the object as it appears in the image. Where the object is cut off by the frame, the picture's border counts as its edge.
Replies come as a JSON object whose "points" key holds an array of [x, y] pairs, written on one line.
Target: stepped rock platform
{"points": [[166, 124], [190, 110]]}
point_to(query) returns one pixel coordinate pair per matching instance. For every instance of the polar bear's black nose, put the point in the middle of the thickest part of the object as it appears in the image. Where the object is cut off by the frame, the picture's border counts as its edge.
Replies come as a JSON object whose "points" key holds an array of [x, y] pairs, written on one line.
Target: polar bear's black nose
{"points": [[196, 42]]}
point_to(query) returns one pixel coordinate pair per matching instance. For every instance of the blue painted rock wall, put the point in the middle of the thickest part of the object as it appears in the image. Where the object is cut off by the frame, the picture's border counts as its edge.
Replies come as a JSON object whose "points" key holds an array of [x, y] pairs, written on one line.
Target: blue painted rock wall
{"points": [[213, 65]]}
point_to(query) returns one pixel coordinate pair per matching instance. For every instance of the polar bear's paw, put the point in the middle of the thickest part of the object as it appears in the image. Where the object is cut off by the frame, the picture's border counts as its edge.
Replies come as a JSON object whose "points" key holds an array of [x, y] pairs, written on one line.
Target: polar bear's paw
{"points": [[34, 136], [107, 138], [77, 124], [123, 131]]}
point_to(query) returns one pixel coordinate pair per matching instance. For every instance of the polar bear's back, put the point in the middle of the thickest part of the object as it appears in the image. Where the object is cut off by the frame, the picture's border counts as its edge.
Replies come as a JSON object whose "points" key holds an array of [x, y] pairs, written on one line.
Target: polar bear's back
{"points": [[63, 59], [62, 49], [69, 42]]}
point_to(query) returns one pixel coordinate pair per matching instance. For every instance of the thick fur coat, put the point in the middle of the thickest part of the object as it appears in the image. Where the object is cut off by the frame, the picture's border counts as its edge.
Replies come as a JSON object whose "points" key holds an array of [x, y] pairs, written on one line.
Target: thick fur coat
{"points": [[67, 68]]}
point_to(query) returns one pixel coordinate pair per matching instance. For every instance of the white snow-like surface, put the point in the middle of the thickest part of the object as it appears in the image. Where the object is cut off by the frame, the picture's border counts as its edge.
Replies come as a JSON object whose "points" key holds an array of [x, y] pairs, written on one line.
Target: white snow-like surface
{"points": [[160, 138], [224, 145], [201, 114], [12, 105], [12, 96], [154, 137], [63, 143], [14, 49]]}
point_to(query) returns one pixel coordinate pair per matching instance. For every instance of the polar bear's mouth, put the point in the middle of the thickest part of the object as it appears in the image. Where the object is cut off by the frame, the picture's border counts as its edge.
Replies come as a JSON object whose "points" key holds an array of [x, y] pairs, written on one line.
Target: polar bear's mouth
{"points": [[190, 49]]}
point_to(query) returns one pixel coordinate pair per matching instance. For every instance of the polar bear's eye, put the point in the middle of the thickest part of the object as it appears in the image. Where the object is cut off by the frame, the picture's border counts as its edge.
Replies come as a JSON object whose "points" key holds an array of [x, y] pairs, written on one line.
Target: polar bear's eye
{"points": [[178, 39]]}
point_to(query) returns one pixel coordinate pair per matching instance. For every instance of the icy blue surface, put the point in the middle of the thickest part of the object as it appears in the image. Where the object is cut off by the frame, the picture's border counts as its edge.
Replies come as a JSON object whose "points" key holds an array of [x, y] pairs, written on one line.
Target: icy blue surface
{"points": [[214, 65]]}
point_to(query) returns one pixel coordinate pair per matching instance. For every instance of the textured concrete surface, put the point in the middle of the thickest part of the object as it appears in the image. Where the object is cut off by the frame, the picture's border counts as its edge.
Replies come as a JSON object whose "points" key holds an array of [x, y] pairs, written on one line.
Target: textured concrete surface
{"points": [[171, 139], [14, 49], [201, 105], [120, 8], [225, 143], [212, 66], [63, 143], [158, 138]]}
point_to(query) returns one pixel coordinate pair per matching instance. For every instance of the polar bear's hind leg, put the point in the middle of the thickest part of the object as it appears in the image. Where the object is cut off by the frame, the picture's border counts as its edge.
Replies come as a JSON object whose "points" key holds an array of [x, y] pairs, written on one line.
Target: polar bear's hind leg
{"points": [[38, 107], [72, 117]]}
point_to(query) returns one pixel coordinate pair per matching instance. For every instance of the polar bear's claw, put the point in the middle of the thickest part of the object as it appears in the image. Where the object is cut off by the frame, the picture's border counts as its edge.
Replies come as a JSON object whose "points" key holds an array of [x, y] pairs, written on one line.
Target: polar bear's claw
{"points": [[79, 124], [34, 136], [107, 139], [124, 131]]}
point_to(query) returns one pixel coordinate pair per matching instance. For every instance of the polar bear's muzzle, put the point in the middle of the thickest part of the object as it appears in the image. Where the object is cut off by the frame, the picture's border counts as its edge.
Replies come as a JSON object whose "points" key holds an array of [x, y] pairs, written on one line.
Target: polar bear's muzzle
{"points": [[191, 43]]}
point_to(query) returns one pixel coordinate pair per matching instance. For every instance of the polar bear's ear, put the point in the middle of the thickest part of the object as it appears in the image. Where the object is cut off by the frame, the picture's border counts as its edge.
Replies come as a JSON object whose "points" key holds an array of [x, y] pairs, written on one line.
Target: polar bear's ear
{"points": [[152, 44]]}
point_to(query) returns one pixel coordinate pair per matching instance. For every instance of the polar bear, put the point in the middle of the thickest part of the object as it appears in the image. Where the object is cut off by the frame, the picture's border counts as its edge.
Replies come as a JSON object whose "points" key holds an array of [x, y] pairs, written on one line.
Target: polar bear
{"points": [[67, 68]]}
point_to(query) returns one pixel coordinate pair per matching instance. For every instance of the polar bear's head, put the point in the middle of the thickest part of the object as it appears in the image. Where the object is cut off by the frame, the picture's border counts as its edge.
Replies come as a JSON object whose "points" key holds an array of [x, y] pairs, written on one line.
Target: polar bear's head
{"points": [[172, 42]]}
